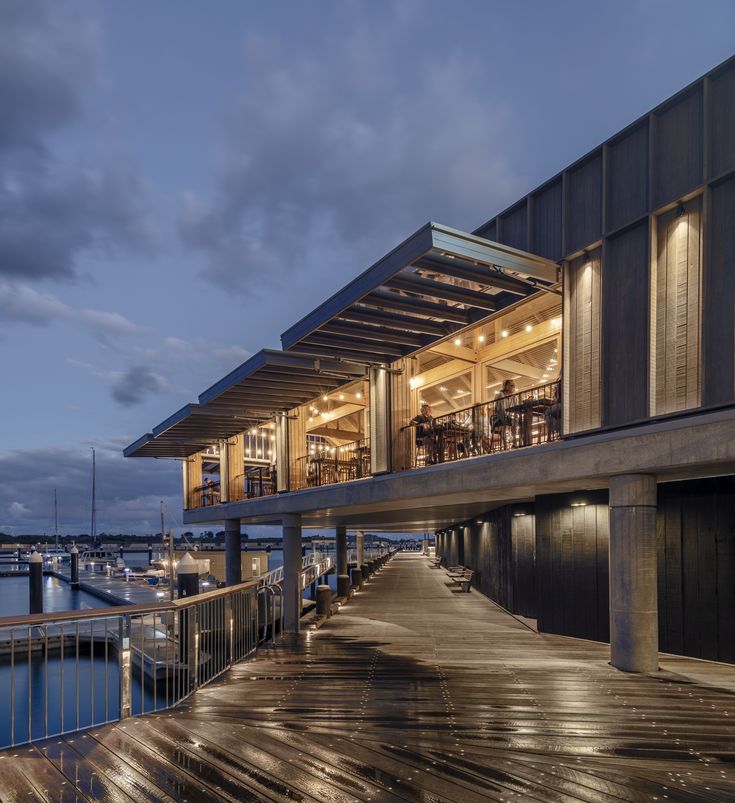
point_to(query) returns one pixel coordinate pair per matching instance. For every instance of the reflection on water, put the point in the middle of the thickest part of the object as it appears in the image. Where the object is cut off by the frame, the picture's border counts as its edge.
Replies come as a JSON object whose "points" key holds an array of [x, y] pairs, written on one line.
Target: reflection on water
{"points": [[57, 596]]}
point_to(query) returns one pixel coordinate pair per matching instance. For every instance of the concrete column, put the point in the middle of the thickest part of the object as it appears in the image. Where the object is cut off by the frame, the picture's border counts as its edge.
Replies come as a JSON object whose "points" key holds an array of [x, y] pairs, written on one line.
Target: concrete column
{"points": [[187, 577], [35, 583], [380, 434], [74, 567], [633, 581], [233, 559], [282, 455], [360, 547], [291, 572]]}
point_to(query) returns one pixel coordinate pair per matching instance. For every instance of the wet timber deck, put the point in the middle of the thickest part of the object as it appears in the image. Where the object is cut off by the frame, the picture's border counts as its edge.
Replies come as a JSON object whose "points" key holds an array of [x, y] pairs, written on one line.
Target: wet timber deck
{"points": [[412, 692]]}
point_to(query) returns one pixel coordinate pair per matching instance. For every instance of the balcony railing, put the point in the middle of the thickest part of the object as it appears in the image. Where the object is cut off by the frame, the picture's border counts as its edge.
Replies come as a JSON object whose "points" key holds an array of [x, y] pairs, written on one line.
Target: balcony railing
{"points": [[527, 418], [332, 464]]}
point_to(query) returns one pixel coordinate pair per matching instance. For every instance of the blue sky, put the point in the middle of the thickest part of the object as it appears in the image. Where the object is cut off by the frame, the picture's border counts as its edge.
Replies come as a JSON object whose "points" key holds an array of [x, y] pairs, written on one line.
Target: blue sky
{"points": [[180, 181]]}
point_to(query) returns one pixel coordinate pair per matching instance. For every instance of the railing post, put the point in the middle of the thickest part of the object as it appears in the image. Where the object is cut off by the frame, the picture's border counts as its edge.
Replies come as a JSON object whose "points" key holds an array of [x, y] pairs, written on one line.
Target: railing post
{"points": [[126, 666], [193, 647]]}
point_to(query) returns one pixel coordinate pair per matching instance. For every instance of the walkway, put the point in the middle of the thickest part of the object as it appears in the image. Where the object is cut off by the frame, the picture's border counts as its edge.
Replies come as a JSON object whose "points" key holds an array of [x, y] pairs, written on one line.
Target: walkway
{"points": [[413, 692]]}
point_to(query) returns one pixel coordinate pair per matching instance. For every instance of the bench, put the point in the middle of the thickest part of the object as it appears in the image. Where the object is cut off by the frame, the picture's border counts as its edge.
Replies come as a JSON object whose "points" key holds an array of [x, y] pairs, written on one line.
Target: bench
{"points": [[463, 580], [462, 576], [435, 562]]}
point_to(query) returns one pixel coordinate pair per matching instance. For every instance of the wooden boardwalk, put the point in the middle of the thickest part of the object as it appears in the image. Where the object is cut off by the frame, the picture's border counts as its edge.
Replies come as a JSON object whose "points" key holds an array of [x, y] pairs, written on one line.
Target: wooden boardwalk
{"points": [[413, 692]]}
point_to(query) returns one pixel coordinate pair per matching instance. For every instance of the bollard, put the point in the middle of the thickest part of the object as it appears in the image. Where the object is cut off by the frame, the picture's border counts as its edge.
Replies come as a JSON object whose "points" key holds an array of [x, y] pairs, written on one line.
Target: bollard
{"points": [[343, 585], [365, 572], [122, 552], [150, 554], [74, 567], [187, 573], [35, 583], [323, 601], [356, 578], [372, 567]]}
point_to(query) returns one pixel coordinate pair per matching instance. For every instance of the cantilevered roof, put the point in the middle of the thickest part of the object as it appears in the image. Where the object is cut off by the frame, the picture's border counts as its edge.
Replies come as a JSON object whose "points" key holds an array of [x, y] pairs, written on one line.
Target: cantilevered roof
{"points": [[268, 383], [437, 282]]}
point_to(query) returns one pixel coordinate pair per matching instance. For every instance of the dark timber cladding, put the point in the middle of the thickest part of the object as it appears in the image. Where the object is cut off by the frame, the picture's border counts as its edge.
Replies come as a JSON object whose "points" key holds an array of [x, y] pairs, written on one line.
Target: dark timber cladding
{"points": [[437, 282]]}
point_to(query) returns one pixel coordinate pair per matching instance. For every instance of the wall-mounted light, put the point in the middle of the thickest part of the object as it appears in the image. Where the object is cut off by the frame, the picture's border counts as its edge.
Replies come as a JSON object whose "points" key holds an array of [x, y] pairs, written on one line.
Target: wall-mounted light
{"points": [[579, 503], [457, 341], [504, 333], [680, 210]]}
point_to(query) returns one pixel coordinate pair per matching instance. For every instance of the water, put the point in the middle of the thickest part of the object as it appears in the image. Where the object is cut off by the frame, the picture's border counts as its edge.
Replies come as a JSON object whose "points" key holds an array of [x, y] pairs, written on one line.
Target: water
{"points": [[57, 596]]}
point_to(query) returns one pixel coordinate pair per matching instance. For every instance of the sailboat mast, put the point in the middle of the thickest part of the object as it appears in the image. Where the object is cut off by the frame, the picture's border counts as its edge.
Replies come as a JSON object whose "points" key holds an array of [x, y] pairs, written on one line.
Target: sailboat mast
{"points": [[94, 499], [56, 520]]}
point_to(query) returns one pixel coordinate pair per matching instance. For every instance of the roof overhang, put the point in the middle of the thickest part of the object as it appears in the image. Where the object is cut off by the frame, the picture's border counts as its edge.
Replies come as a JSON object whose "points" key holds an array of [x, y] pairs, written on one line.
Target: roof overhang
{"points": [[437, 282], [269, 383]]}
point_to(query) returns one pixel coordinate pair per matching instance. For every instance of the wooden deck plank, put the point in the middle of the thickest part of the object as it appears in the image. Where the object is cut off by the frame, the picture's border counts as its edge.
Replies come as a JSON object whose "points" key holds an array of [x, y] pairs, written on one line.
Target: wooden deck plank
{"points": [[414, 693]]}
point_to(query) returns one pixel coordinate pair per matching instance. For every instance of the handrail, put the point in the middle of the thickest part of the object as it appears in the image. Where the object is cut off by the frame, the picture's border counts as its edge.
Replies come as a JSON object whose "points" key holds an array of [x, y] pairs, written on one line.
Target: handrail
{"points": [[30, 620]]}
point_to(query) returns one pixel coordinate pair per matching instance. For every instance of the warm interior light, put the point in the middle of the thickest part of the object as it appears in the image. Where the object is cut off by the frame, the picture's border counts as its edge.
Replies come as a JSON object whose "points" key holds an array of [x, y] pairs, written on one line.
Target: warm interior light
{"points": [[504, 333], [528, 327], [457, 341], [324, 397], [579, 503], [556, 321], [253, 431], [481, 339], [341, 396]]}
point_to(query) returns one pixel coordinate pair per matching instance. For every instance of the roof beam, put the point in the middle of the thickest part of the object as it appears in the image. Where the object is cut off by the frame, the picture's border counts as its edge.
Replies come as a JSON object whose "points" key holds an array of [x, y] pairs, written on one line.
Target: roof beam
{"points": [[369, 333], [460, 269], [408, 323], [353, 344], [413, 283], [391, 300]]}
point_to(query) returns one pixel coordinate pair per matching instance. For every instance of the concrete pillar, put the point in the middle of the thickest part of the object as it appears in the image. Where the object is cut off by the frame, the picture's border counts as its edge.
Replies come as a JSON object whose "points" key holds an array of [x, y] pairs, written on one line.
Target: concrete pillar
{"points": [[233, 558], [323, 601], [380, 434], [633, 581], [340, 539], [291, 572], [360, 547], [282, 455], [74, 567], [35, 583]]}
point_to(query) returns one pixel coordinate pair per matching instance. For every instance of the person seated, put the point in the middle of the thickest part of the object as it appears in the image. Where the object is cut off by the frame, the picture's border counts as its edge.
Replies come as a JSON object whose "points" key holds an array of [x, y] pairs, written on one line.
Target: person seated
{"points": [[502, 420], [211, 492], [425, 432], [552, 414]]}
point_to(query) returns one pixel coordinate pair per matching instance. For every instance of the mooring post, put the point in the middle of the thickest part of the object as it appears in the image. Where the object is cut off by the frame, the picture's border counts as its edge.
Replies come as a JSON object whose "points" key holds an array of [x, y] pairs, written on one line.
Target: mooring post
{"points": [[74, 567], [35, 583]]}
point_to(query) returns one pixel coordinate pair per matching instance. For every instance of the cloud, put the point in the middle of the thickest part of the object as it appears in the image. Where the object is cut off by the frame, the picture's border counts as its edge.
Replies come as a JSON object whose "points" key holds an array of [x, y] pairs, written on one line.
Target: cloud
{"points": [[20, 303], [51, 212], [328, 156], [128, 491], [136, 384]]}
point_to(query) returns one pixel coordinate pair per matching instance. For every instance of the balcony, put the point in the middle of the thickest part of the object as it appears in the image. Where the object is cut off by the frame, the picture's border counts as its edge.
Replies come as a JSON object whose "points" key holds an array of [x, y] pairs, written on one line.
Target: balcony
{"points": [[516, 421], [328, 465]]}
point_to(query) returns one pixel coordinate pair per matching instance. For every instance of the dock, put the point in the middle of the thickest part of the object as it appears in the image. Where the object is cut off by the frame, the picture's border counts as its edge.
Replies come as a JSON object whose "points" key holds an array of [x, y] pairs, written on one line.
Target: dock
{"points": [[413, 691]]}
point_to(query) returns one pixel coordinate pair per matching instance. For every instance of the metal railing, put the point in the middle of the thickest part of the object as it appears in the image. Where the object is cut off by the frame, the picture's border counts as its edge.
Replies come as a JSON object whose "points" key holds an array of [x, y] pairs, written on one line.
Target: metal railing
{"points": [[75, 669], [329, 465], [527, 418]]}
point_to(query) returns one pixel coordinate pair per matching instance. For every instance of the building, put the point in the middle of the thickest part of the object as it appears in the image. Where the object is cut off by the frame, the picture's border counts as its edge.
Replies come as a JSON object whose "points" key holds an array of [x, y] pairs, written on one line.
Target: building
{"points": [[599, 496]]}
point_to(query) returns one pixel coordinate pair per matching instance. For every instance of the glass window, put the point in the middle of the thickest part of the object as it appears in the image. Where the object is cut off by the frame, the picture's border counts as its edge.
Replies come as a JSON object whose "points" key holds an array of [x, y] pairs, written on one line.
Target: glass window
{"points": [[448, 395]]}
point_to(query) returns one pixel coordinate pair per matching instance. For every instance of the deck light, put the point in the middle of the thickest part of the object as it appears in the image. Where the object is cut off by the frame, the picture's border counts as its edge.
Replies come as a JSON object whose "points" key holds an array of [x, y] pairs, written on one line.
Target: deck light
{"points": [[504, 333]]}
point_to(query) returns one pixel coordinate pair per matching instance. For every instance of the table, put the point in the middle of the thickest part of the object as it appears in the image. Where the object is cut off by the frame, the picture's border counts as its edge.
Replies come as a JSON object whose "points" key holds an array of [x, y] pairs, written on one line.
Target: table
{"points": [[526, 410]]}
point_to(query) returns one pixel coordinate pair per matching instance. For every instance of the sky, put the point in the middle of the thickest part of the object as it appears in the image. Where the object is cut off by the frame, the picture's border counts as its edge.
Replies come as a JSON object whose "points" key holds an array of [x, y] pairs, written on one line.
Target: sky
{"points": [[181, 181]]}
